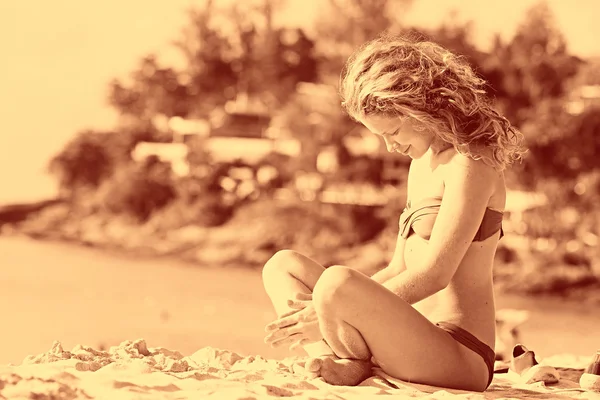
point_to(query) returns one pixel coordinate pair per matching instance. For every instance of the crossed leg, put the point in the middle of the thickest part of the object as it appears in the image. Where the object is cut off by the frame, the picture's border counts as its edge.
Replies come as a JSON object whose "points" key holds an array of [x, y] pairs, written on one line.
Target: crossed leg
{"points": [[360, 319], [288, 273]]}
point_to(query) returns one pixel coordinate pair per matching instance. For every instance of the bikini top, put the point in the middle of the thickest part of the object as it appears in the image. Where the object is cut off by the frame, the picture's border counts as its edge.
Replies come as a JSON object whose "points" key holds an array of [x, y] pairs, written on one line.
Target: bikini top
{"points": [[420, 219]]}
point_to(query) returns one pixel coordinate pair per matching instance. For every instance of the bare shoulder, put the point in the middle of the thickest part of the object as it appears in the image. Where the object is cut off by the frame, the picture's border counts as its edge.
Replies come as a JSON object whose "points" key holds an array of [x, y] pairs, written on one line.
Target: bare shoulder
{"points": [[470, 175]]}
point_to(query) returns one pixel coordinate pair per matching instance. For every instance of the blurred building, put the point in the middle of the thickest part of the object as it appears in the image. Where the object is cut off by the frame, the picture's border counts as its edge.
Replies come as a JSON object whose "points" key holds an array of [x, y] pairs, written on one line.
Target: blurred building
{"points": [[234, 133], [582, 98], [244, 132], [174, 154]]}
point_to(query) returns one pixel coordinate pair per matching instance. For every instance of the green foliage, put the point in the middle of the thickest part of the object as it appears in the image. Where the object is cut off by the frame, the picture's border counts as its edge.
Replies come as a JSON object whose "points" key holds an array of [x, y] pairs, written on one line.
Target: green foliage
{"points": [[345, 25], [92, 156], [588, 73], [206, 211], [153, 91], [296, 61], [138, 190], [210, 73], [320, 229], [85, 162], [212, 211], [221, 61], [534, 66], [316, 121], [562, 146], [459, 39], [557, 272]]}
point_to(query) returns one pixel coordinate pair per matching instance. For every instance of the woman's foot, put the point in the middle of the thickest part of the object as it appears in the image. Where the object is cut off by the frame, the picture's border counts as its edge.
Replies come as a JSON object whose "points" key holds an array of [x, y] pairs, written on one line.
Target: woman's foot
{"points": [[590, 380], [337, 371]]}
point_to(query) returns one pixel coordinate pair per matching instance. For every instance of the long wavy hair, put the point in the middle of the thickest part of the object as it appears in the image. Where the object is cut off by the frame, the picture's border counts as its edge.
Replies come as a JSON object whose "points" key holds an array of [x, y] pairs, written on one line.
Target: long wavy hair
{"points": [[409, 77]]}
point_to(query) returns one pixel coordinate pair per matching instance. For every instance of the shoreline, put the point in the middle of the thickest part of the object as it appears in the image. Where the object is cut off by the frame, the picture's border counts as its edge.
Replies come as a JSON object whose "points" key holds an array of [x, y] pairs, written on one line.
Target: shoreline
{"points": [[576, 295], [247, 242]]}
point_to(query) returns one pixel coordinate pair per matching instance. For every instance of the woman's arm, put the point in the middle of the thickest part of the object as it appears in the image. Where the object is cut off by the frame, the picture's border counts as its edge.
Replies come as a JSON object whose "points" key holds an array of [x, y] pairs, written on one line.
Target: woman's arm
{"points": [[468, 186], [396, 265]]}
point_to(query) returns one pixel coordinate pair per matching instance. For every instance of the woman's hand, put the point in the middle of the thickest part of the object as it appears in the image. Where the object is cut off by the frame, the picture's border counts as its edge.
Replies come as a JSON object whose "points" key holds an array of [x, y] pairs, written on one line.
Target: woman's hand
{"points": [[296, 328]]}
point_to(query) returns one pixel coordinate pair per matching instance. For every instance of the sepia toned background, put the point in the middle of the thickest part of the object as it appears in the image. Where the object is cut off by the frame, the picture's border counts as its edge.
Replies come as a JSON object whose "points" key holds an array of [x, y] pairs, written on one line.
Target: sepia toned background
{"points": [[153, 155]]}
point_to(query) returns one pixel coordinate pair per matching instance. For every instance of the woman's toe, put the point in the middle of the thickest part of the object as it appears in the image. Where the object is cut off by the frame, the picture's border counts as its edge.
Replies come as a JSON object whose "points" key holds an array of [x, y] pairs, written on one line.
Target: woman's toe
{"points": [[314, 364]]}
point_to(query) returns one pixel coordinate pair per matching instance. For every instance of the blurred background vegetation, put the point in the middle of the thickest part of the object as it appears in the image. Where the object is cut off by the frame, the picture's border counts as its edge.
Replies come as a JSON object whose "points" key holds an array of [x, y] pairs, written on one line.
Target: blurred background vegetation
{"points": [[245, 150]]}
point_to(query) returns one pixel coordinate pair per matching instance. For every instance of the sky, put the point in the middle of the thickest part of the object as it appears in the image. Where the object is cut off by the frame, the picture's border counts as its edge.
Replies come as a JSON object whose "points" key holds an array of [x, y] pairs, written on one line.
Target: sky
{"points": [[56, 58]]}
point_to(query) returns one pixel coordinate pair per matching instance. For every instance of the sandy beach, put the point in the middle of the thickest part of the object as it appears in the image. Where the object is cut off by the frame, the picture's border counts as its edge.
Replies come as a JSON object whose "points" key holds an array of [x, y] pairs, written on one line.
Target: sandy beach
{"points": [[80, 323], [132, 370]]}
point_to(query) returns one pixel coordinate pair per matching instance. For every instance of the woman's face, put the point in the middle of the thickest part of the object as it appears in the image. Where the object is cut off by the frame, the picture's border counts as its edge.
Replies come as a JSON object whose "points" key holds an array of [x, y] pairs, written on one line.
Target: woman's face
{"points": [[400, 135]]}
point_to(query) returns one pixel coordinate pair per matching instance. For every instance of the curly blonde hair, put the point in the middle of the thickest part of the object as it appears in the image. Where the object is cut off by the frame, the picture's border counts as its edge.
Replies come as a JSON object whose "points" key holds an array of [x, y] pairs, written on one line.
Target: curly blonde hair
{"points": [[409, 77]]}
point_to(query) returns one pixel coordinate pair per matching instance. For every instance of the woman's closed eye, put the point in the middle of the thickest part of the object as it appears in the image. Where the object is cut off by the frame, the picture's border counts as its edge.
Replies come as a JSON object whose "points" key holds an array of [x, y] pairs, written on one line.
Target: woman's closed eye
{"points": [[389, 135]]}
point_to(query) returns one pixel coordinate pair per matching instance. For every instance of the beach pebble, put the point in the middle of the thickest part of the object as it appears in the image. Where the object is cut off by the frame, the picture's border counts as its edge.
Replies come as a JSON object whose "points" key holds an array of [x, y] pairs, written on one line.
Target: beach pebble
{"points": [[88, 366]]}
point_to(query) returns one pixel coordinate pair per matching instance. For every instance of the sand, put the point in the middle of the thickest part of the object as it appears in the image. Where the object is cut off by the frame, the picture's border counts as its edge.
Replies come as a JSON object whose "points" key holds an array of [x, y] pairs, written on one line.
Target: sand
{"points": [[132, 370]]}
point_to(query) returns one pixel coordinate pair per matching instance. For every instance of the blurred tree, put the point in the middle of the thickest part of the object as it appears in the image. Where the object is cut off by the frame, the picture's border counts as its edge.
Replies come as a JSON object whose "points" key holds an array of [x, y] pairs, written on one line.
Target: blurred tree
{"points": [[209, 72], [588, 73], [138, 190], [533, 66], [296, 62], [92, 156], [315, 118], [563, 146], [457, 37], [86, 161], [153, 91], [227, 51], [271, 60], [250, 27], [346, 24]]}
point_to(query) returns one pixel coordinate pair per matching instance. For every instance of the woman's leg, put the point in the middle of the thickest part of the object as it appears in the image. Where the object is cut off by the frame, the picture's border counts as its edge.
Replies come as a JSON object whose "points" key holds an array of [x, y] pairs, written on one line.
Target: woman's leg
{"points": [[288, 273], [359, 318]]}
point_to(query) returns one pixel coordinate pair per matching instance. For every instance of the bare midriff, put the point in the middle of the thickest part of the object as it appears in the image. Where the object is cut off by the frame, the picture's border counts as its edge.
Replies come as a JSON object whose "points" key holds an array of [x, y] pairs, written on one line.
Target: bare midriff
{"points": [[468, 300]]}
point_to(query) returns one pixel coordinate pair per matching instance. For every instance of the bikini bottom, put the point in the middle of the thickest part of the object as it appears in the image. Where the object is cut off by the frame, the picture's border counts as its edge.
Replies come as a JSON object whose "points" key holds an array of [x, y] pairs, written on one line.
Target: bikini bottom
{"points": [[472, 343]]}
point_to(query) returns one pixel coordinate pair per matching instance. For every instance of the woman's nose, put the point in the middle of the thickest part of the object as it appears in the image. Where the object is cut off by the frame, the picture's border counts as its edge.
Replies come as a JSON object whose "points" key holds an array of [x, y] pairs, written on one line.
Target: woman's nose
{"points": [[390, 145]]}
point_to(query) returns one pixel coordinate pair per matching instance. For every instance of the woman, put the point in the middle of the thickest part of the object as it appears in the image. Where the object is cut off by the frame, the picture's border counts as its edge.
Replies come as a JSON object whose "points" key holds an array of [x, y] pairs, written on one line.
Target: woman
{"points": [[428, 317]]}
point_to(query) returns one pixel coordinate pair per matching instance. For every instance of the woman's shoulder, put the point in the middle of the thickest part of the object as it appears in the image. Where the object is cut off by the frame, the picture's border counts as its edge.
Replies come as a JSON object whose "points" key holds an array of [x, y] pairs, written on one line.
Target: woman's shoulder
{"points": [[456, 162], [472, 174]]}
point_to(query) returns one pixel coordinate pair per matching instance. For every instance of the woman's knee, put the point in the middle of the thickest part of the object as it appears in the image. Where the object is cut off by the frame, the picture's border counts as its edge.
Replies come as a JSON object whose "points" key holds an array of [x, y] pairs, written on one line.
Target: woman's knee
{"points": [[280, 263], [332, 285]]}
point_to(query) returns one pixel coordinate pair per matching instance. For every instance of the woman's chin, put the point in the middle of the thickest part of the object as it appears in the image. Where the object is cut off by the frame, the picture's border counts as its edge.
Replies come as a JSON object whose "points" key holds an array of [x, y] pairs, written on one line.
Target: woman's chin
{"points": [[413, 154]]}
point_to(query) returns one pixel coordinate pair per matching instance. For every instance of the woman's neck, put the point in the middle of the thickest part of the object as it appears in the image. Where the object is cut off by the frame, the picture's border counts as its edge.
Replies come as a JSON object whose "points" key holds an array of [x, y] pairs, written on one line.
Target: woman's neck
{"points": [[438, 145]]}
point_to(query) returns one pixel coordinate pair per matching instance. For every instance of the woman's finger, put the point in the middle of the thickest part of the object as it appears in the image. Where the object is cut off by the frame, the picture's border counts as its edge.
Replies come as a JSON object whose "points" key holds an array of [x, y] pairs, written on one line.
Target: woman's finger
{"points": [[283, 333], [283, 339], [287, 340], [282, 322], [300, 300], [296, 304], [303, 296], [287, 314]]}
